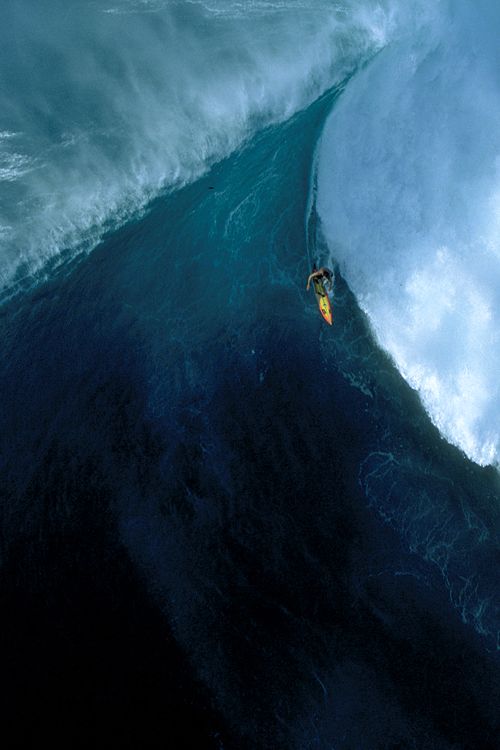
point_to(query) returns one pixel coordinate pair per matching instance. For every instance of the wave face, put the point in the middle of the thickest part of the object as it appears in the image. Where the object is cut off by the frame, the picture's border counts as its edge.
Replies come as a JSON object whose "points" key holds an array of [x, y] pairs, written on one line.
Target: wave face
{"points": [[409, 197], [105, 104], [310, 541]]}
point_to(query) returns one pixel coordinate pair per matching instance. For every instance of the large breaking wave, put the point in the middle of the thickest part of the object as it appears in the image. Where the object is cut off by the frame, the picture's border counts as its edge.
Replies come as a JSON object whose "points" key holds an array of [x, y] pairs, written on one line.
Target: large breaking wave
{"points": [[177, 417], [105, 104]]}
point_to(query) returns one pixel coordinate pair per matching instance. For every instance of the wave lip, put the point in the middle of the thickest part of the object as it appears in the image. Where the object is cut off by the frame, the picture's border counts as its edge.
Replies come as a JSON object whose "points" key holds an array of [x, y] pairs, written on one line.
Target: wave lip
{"points": [[115, 107], [409, 199]]}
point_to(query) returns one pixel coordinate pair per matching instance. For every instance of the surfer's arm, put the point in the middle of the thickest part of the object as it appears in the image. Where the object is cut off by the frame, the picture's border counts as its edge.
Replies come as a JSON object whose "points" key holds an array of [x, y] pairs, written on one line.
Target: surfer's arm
{"points": [[312, 276]]}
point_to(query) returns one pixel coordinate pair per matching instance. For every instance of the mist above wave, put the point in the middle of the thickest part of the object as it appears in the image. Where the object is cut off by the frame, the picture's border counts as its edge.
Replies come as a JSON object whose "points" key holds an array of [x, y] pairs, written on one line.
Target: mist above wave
{"points": [[409, 197], [107, 103]]}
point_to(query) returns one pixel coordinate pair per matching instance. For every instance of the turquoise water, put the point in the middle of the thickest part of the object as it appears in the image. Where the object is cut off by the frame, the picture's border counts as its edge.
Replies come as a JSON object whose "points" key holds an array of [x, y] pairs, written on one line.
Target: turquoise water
{"points": [[225, 523]]}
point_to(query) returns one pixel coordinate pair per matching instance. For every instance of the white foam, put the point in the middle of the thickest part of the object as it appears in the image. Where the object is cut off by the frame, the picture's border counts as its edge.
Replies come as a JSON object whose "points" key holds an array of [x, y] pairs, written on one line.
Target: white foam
{"points": [[118, 105], [13, 167], [409, 199]]}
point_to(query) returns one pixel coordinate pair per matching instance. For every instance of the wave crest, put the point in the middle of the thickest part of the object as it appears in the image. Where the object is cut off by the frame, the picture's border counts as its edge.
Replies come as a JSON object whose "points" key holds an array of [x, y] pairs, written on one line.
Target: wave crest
{"points": [[114, 107]]}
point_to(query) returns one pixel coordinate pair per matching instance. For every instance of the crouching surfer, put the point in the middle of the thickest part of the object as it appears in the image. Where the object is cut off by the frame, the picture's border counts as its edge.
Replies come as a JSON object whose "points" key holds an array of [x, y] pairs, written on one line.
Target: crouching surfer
{"points": [[322, 282], [324, 275]]}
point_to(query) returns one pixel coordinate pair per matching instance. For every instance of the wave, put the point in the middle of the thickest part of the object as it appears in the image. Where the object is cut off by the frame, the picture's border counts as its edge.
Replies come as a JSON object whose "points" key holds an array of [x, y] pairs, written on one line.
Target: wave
{"points": [[409, 200], [107, 104], [111, 103]]}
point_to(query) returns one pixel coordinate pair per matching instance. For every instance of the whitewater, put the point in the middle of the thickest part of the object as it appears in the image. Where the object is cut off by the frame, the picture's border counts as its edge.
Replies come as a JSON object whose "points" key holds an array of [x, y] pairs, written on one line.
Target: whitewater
{"points": [[409, 196], [150, 94]]}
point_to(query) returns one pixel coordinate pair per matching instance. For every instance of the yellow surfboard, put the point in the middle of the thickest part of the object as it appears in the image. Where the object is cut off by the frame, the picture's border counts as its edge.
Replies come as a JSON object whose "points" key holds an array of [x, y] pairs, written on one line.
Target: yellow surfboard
{"points": [[324, 305]]}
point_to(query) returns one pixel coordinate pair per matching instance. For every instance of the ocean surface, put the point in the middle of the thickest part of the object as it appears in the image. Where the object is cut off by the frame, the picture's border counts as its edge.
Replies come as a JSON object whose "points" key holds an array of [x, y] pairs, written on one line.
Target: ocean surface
{"points": [[225, 524]]}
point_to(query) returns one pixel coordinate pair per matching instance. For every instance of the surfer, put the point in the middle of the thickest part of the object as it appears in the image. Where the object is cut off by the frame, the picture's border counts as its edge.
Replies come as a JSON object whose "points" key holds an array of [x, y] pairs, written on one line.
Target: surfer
{"points": [[324, 274]]}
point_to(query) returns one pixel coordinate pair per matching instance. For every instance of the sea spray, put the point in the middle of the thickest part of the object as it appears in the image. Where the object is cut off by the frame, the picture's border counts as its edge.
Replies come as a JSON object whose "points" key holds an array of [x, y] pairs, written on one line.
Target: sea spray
{"points": [[104, 104]]}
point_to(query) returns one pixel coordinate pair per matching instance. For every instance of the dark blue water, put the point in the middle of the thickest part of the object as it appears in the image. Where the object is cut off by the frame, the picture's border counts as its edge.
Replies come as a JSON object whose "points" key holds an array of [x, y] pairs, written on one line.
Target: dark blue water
{"points": [[225, 523]]}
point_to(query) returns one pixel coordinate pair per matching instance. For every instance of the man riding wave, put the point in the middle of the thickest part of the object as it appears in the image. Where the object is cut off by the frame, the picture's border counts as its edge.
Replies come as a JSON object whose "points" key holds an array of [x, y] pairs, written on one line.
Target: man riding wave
{"points": [[324, 274]]}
